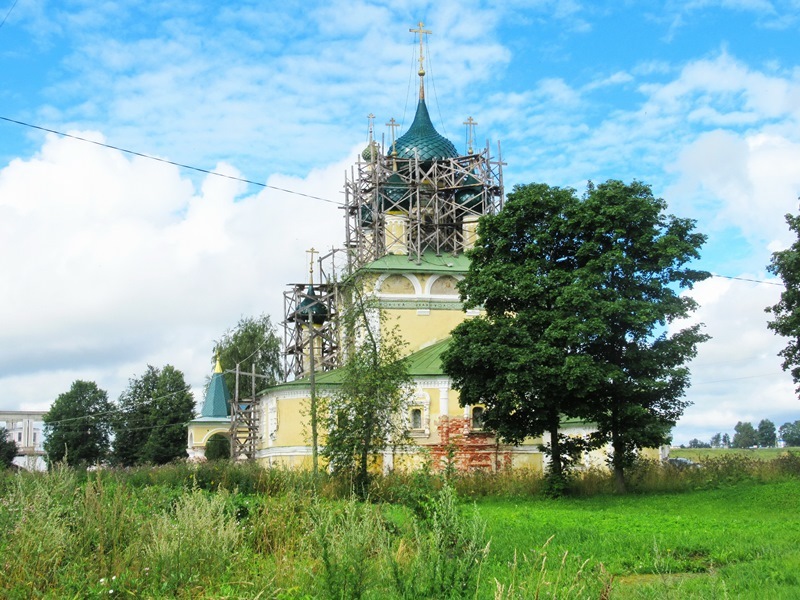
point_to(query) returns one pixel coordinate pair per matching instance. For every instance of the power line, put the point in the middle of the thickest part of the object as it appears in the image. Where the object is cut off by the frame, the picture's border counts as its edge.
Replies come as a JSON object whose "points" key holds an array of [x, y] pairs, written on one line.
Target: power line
{"points": [[170, 162], [116, 410], [747, 279], [8, 14]]}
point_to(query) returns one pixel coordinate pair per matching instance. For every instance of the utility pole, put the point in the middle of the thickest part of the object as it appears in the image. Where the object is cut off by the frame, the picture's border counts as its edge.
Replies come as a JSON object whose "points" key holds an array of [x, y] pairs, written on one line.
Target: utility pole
{"points": [[312, 376]]}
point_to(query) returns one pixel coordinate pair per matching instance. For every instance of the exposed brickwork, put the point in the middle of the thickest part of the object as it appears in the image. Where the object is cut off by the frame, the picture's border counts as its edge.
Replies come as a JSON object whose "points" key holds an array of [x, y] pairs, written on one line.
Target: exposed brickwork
{"points": [[467, 449]]}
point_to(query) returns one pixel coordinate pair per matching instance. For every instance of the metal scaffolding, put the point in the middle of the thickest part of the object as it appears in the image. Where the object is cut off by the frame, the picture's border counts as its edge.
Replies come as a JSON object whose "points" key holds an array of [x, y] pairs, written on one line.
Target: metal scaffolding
{"points": [[406, 206], [311, 322]]}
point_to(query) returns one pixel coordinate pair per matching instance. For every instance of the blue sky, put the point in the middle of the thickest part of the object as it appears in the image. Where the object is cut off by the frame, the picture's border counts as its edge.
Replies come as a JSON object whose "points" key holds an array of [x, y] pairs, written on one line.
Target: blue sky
{"points": [[112, 261]]}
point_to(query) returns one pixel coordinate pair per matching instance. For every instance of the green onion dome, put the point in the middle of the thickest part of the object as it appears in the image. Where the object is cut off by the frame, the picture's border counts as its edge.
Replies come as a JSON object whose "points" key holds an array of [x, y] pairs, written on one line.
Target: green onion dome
{"points": [[422, 141], [371, 152], [311, 308]]}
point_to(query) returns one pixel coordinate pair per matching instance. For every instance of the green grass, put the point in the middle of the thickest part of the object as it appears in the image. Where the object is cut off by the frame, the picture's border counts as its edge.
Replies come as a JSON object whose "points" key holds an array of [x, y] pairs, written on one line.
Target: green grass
{"points": [[703, 454], [233, 531], [737, 542]]}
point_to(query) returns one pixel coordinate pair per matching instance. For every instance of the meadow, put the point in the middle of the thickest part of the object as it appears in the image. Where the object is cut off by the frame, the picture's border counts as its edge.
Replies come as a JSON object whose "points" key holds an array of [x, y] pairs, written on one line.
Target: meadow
{"points": [[728, 529]]}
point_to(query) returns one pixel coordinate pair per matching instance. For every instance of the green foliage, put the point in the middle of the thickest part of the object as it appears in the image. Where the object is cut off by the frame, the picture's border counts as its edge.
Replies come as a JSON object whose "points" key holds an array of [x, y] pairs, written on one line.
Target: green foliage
{"points": [[579, 295], [191, 544], [745, 435], [447, 557], [150, 426], [77, 427], [348, 541], [767, 437], [73, 534], [8, 449], [790, 433], [786, 313], [252, 342], [363, 416], [218, 447]]}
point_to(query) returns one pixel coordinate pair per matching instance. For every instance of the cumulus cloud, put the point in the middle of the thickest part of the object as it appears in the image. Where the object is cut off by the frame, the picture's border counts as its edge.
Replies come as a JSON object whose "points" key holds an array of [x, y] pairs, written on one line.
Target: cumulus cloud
{"points": [[113, 262], [736, 375]]}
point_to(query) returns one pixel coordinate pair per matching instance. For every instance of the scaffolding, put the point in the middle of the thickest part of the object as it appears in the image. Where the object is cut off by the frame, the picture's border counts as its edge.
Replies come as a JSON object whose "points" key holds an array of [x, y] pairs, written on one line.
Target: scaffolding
{"points": [[407, 206], [244, 420], [311, 322]]}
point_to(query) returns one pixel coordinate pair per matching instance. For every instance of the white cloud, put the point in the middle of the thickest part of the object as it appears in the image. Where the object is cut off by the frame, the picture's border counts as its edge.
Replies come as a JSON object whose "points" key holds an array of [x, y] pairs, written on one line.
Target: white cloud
{"points": [[111, 263], [737, 374]]}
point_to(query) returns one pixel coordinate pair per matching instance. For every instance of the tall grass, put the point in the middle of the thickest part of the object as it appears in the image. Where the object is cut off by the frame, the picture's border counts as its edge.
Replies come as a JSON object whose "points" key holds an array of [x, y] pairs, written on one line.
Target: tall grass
{"points": [[226, 530]]}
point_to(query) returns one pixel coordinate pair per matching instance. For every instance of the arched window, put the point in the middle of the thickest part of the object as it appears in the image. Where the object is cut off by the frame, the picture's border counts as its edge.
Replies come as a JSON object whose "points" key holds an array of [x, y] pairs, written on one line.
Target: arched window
{"points": [[416, 418], [477, 417]]}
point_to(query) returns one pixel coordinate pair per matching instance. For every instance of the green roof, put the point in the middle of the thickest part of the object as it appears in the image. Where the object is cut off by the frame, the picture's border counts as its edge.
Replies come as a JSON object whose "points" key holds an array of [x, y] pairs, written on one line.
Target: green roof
{"points": [[422, 363], [431, 263], [217, 401], [422, 141], [428, 361]]}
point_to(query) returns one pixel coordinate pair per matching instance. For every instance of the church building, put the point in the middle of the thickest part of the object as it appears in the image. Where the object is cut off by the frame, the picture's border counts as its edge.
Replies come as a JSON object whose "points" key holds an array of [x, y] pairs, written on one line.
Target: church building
{"points": [[412, 204]]}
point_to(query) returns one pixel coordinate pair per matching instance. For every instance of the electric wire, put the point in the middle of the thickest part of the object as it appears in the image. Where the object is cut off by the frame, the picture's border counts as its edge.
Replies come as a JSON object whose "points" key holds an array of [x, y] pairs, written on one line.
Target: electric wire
{"points": [[170, 162], [8, 14], [114, 411]]}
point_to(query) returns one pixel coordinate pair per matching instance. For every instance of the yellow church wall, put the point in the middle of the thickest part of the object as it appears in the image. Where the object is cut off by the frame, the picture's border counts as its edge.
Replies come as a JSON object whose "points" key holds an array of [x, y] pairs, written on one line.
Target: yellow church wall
{"points": [[420, 330], [201, 433]]}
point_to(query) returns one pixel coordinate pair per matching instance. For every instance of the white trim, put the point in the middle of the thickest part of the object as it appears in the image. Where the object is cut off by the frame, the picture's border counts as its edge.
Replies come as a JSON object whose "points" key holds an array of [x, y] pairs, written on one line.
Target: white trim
{"points": [[433, 278], [413, 279]]}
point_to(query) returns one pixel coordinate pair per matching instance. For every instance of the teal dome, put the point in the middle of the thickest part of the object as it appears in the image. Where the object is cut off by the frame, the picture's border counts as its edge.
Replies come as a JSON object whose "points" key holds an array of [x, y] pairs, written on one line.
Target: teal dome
{"points": [[313, 308], [422, 141], [396, 190], [470, 196]]}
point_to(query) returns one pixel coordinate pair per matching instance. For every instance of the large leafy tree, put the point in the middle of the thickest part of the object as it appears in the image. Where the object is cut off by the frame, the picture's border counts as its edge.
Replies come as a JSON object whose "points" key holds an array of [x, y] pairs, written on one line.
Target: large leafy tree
{"points": [[77, 427], [252, 342], [8, 449], [767, 436], [632, 264], [364, 413], [150, 426], [790, 433], [578, 295], [745, 435], [786, 322], [522, 359]]}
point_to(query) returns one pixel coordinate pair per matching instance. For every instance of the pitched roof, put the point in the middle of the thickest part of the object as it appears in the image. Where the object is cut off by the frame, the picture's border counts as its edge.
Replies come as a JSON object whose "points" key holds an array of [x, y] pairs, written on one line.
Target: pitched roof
{"points": [[217, 401]]}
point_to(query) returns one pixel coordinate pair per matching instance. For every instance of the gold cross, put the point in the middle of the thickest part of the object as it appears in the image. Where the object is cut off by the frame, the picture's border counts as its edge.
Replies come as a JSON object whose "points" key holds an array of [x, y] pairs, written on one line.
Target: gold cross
{"points": [[312, 252], [470, 123], [421, 32], [370, 119]]}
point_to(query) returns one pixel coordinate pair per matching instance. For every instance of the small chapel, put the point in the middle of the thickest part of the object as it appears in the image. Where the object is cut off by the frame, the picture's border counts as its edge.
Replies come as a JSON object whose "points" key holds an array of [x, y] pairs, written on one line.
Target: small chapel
{"points": [[412, 205]]}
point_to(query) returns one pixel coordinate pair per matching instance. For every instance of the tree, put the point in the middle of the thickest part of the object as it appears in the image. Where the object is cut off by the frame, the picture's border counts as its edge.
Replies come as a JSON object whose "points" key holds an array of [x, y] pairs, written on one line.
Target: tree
{"points": [[695, 443], [251, 342], [716, 440], [726, 440], [364, 413], [8, 449], [77, 427], [786, 322], [150, 427], [522, 358], [767, 437], [745, 435], [578, 295], [790, 433]]}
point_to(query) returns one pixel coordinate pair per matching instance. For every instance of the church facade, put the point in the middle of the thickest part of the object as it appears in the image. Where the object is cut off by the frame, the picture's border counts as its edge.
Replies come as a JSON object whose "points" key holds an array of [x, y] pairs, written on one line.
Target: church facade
{"points": [[412, 207]]}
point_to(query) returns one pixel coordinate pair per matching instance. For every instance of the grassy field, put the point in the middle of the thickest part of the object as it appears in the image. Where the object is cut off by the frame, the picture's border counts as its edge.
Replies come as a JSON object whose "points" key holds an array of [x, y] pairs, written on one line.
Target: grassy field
{"points": [[736, 542], [233, 531], [702, 454]]}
